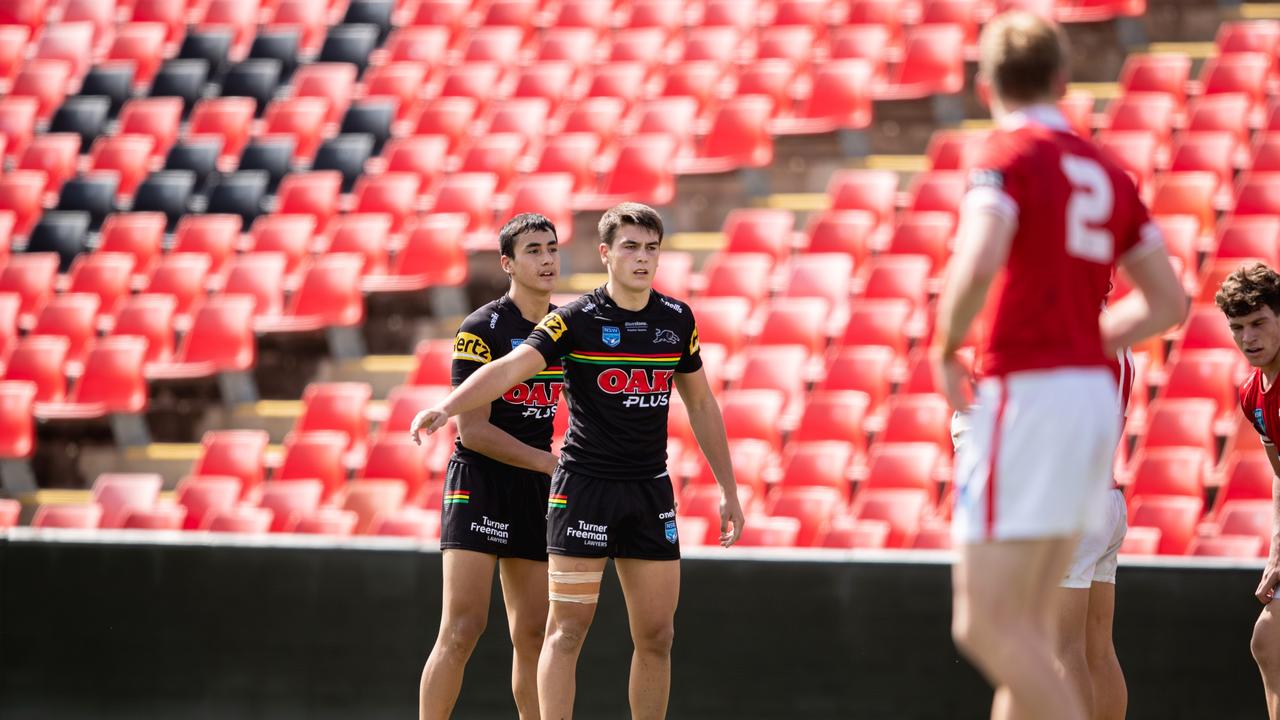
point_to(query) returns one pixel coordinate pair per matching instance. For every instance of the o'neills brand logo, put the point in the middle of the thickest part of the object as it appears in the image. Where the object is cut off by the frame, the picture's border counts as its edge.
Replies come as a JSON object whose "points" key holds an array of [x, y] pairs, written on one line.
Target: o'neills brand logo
{"points": [[492, 529], [590, 533], [668, 515], [647, 388], [539, 398]]}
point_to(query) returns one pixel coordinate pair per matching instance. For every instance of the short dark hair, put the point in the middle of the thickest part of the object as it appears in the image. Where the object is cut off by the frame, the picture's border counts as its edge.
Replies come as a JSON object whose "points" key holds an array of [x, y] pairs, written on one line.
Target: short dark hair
{"points": [[1249, 289], [1021, 53], [519, 225], [629, 213]]}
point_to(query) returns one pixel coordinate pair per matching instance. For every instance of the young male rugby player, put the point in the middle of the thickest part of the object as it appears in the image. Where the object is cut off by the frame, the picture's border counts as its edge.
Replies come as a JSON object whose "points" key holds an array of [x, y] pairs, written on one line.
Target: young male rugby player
{"points": [[496, 489], [624, 347], [1250, 298], [1052, 216]]}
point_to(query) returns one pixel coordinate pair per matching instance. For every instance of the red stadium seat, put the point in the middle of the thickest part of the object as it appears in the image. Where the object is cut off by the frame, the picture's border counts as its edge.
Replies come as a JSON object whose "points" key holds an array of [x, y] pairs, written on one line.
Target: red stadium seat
{"points": [[328, 521], [692, 531], [471, 194], [241, 519], [1205, 329], [584, 14], [822, 275], [212, 235], [667, 14], [290, 501], [308, 18], [1186, 193], [573, 154], [1266, 153], [697, 79], [451, 117], [1247, 475], [871, 190], [600, 116], [475, 80], [496, 154], [120, 493], [645, 45], [138, 234], [205, 496], [1258, 194], [796, 321], [744, 275], [1165, 73], [775, 78], [898, 276], [738, 138], [10, 305], [396, 457], [40, 361], [1243, 36], [157, 117], [551, 194], [572, 44], [17, 123], [401, 80], [129, 156], [421, 155], [240, 16], [301, 118], [752, 414], [835, 415], [643, 172], [918, 418], [432, 363], [1133, 150], [722, 321], [1206, 373], [417, 44], [924, 233], [56, 154], [842, 231], [933, 536], [101, 15], [394, 193], [21, 192], [365, 234], [433, 254], [1238, 73], [290, 235], [897, 465], [112, 381], [933, 63], [551, 81], [1170, 471], [1175, 517], [404, 402], [954, 149], [334, 82], [769, 532], [1183, 422], [937, 191], [718, 43], [182, 277], [750, 459], [47, 80], [373, 500], [260, 278], [411, 522], [847, 533], [1141, 541], [817, 463], [1143, 111], [236, 453], [865, 369], [1181, 239], [329, 296], [814, 507], [142, 44], [220, 340], [901, 508], [340, 406], [230, 118], [315, 455], [72, 316], [84, 516], [9, 510], [31, 276], [1221, 113], [1228, 546], [1249, 518], [1215, 271], [776, 367], [1089, 11], [879, 322], [759, 231], [105, 274], [311, 193], [13, 49]]}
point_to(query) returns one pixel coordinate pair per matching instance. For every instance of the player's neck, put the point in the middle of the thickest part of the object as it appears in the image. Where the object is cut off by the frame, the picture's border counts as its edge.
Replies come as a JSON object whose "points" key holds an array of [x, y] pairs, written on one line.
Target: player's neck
{"points": [[1269, 373], [626, 299], [533, 305]]}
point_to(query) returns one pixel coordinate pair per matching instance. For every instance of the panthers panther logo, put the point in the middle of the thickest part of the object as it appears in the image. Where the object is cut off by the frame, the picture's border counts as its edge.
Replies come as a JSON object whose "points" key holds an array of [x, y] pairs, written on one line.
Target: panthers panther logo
{"points": [[666, 336]]}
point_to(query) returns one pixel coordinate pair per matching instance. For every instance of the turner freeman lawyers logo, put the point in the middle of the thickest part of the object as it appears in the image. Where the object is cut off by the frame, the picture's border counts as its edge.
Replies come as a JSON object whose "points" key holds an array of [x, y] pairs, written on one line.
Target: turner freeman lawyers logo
{"points": [[590, 534], [610, 335], [494, 531], [666, 336]]}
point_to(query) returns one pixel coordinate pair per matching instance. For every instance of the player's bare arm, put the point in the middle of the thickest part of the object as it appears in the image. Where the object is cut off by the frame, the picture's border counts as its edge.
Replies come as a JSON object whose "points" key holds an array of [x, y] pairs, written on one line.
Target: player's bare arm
{"points": [[982, 247], [483, 387], [708, 429], [1157, 303], [484, 437], [1271, 573]]}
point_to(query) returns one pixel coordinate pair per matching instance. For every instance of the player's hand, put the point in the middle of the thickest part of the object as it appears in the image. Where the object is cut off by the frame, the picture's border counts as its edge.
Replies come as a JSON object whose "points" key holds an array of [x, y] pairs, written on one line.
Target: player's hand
{"points": [[953, 379], [1270, 578], [731, 519], [430, 420]]}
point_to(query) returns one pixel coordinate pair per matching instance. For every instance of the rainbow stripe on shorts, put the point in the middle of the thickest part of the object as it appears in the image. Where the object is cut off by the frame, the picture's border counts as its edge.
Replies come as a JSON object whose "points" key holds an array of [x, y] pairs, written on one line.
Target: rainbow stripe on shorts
{"points": [[457, 497], [558, 501]]}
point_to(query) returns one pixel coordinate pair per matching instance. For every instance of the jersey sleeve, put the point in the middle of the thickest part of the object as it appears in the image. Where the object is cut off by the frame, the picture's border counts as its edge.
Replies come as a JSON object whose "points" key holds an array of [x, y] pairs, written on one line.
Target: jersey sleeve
{"points": [[551, 336], [995, 182], [691, 354], [1145, 235], [1254, 416], [472, 350]]}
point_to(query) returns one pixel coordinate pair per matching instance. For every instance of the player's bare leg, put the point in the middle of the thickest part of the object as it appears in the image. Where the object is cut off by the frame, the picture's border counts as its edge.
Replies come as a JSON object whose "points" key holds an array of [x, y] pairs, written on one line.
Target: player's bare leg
{"points": [[1266, 651], [652, 589], [524, 590], [1071, 643], [1110, 694], [1001, 623], [468, 580], [574, 589]]}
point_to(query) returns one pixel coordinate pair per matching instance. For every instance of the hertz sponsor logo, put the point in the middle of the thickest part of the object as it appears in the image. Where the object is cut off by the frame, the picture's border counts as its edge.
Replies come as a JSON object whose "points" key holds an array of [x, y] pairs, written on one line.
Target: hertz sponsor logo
{"points": [[470, 347], [553, 325]]}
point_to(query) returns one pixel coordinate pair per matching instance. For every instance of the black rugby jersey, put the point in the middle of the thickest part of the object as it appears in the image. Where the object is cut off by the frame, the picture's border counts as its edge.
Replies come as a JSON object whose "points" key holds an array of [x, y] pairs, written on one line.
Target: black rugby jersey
{"points": [[527, 410], [618, 371]]}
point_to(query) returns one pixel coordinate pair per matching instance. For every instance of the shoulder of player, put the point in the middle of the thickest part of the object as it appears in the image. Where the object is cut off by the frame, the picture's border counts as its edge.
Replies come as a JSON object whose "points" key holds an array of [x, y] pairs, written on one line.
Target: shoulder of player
{"points": [[482, 321], [667, 306]]}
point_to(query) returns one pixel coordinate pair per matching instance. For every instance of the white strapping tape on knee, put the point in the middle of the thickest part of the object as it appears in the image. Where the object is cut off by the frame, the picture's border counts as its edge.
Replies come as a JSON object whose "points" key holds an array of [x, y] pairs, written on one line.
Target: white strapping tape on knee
{"points": [[591, 599], [576, 578]]}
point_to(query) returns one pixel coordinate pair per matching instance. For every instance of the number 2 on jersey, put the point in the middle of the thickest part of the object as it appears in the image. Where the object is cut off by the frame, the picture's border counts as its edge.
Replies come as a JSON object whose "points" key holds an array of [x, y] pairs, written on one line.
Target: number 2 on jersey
{"points": [[1088, 210]]}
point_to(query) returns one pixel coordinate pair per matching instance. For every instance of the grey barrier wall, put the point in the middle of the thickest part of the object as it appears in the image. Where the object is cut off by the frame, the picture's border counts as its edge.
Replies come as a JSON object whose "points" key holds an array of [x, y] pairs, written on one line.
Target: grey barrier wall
{"points": [[164, 626]]}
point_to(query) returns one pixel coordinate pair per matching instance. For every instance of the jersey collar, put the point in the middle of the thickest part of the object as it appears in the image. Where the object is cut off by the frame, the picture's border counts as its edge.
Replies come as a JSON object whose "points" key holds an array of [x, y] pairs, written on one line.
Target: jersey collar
{"points": [[1043, 114]]}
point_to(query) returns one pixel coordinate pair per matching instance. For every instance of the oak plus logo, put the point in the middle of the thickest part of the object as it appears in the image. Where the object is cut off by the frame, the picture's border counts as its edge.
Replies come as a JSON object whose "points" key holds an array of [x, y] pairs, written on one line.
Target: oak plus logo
{"points": [[642, 387], [538, 398]]}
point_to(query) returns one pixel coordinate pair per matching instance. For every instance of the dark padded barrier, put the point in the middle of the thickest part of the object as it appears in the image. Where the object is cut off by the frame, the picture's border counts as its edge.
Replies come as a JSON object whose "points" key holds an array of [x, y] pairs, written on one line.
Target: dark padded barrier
{"points": [[133, 630]]}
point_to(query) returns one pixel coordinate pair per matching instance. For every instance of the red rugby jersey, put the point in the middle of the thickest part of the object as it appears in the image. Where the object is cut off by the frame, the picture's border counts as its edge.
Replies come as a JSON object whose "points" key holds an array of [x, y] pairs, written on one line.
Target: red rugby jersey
{"points": [[1076, 213], [1262, 407]]}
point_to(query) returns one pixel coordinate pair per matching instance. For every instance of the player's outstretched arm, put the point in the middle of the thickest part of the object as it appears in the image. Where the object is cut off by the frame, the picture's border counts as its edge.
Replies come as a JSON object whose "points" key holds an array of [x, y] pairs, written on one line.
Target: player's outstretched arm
{"points": [[1157, 303], [484, 437], [982, 247], [708, 429], [483, 387], [1271, 573]]}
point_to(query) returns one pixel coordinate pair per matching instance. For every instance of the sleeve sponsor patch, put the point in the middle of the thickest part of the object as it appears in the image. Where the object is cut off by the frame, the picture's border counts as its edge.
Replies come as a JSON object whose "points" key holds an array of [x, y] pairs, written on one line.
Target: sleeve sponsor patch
{"points": [[553, 325], [986, 178], [693, 342], [471, 347]]}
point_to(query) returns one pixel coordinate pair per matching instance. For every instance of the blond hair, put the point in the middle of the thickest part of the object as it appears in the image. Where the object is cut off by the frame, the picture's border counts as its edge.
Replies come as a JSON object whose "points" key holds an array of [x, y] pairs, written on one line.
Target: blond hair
{"points": [[1021, 54]]}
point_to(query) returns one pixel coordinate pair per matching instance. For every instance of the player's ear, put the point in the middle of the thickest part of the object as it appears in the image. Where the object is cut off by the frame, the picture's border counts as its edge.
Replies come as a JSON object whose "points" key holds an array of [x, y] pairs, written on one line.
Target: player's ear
{"points": [[983, 87], [604, 254], [1059, 86], [504, 262]]}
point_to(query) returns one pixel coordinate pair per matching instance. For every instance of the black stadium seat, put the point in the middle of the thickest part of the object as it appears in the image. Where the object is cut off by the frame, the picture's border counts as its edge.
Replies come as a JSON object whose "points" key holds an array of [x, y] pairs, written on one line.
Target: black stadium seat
{"points": [[166, 191], [240, 193], [212, 45], [63, 232], [257, 79], [350, 44], [346, 154], [85, 115], [94, 193], [110, 80], [277, 44], [372, 116], [272, 154], [197, 154], [181, 78]]}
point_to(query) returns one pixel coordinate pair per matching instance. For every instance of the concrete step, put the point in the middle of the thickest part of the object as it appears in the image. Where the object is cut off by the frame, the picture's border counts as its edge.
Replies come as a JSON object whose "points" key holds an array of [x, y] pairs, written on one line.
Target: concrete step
{"points": [[382, 372], [1193, 50], [1259, 11], [170, 461]]}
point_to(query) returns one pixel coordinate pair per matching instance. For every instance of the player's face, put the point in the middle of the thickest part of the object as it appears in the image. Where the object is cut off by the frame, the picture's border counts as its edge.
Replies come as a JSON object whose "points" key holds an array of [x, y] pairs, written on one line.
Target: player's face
{"points": [[633, 259], [536, 264], [1257, 335]]}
